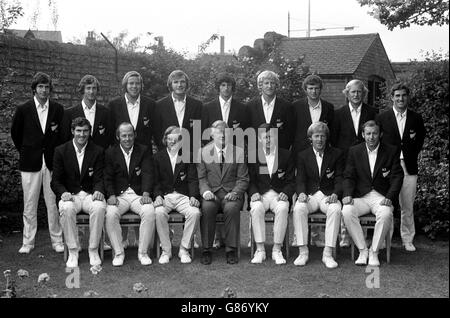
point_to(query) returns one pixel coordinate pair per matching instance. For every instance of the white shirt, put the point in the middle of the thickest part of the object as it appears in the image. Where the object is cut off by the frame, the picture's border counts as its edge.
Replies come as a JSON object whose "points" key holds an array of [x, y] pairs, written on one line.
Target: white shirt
{"points": [[133, 110], [42, 111], [319, 159], [225, 108], [401, 120], [80, 154], [127, 162], [219, 153], [270, 160], [173, 160], [356, 114], [180, 107], [315, 112], [90, 113], [268, 108], [372, 158]]}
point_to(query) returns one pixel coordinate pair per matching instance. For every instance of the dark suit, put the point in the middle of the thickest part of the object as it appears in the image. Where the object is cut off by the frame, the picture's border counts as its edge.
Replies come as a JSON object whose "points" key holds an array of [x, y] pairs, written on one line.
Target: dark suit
{"points": [[184, 180], [66, 173], [233, 177], [29, 139], [118, 178], [413, 137], [343, 133], [145, 122], [330, 179], [102, 132], [165, 116], [303, 121], [282, 118]]}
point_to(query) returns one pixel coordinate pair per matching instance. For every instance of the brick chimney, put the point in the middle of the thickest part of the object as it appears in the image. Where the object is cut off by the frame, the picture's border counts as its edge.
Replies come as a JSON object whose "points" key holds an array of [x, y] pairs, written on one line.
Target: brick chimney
{"points": [[222, 44]]}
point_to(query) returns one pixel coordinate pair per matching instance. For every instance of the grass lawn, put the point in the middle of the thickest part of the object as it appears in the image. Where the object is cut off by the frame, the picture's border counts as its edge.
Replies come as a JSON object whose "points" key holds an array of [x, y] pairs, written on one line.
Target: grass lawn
{"points": [[424, 273]]}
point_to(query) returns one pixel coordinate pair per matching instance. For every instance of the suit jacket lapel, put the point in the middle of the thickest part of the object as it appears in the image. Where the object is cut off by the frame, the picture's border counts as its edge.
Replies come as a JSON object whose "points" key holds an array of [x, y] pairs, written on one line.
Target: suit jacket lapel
{"points": [[408, 123], [378, 162], [260, 110], [362, 118], [307, 114], [349, 119], [187, 114], [86, 160], [50, 115], [135, 156], [33, 110], [72, 159], [325, 161], [171, 112], [393, 122], [178, 167], [365, 161], [313, 161], [232, 114], [122, 163], [124, 109]]}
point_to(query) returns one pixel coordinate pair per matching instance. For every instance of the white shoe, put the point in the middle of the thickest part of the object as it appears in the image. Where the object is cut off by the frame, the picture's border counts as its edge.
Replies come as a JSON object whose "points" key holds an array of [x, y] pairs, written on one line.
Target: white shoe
{"points": [[362, 258], [118, 260], [184, 256], [277, 256], [259, 257], [72, 261], [329, 262], [94, 259], [144, 259], [164, 258], [409, 247], [373, 259], [301, 260], [26, 249], [58, 247]]}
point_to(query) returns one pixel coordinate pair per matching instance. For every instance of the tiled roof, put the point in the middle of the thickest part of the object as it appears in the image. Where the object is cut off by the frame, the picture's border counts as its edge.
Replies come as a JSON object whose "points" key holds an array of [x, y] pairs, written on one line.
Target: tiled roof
{"points": [[325, 54], [40, 35]]}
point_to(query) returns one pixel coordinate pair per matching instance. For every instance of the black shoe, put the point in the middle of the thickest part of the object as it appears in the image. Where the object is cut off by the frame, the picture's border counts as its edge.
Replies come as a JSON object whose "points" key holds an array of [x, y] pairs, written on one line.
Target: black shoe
{"points": [[231, 257], [206, 258]]}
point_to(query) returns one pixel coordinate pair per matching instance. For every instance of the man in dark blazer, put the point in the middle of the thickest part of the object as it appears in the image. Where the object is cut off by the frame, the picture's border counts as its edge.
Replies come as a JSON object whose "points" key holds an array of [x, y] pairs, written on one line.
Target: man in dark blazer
{"points": [[128, 181], [134, 108], [36, 131], [78, 184], [225, 107], [269, 108], [346, 129], [404, 128], [272, 184], [223, 180], [98, 115], [319, 179], [179, 109], [310, 110], [372, 181], [176, 188]]}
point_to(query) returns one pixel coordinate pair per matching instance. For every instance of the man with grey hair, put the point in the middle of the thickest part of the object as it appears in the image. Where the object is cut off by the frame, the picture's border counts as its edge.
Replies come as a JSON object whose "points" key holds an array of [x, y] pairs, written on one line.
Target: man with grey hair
{"points": [[319, 179], [271, 109], [177, 109], [348, 120]]}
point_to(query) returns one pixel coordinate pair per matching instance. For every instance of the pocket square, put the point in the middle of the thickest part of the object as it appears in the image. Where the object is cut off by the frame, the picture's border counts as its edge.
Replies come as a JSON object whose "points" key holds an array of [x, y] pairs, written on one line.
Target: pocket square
{"points": [[101, 129], [146, 121], [385, 173], [54, 126], [236, 125], [279, 123], [281, 173], [90, 171], [330, 174], [138, 170], [412, 135]]}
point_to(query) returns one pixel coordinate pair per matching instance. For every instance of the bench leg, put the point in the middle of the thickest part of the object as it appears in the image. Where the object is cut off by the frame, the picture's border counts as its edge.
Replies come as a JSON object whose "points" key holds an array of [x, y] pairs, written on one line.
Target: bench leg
{"points": [[388, 248], [252, 239]]}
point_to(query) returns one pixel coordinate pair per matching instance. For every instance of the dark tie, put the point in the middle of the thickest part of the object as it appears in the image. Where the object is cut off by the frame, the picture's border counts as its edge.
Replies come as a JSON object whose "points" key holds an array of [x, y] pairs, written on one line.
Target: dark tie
{"points": [[222, 159]]}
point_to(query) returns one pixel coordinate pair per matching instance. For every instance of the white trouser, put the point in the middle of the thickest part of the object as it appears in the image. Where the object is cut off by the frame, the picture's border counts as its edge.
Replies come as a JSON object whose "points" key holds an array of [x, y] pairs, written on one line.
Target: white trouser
{"points": [[68, 210], [361, 206], [406, 201], [130, 202], [269, 201], [316, 203], [180, 203], [31, 186]]}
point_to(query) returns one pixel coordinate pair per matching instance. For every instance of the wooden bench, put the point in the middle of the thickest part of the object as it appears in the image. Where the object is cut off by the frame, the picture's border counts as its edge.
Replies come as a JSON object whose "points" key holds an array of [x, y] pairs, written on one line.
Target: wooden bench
{"points": [[320, 219]]}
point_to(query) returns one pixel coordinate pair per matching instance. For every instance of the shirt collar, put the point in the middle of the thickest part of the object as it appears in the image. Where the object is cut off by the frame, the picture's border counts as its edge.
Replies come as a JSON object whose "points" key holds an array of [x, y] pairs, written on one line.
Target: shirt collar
{"points": [[170, 156], [223, 101], [124, 153], [271, 104], [218, 150], [178, 101], [271, 153], [373, 152], [76, 148], [36, 102], [397, 112], [318, 105], [317, 153], [358, 109], [137, 103], [85, 108]]}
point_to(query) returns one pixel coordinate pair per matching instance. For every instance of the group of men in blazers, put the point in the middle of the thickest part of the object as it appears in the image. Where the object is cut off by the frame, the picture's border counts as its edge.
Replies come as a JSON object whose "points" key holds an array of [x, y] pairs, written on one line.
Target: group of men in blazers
{"points": [[99, 160]]}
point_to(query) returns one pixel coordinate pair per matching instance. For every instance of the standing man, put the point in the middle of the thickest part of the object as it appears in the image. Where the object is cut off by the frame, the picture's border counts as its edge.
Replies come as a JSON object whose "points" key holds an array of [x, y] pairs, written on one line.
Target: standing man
{"points": [[372, 181], [134, 108], [78, 184], [310, 110], [35, 131], [319, 187], [128, 182], [346, 129], [223, 179], [177, 109], [272, 110], [404, 128], [272, 184], [176, 188], [98, 115]]}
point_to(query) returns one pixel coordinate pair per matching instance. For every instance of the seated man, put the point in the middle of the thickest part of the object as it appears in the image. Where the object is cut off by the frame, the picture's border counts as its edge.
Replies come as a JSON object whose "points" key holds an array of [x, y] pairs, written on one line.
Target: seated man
{"points": [[176, 188], [78, 184], [223, 179], [272, 185], [319, 179], [373, 176], [128, 182]]}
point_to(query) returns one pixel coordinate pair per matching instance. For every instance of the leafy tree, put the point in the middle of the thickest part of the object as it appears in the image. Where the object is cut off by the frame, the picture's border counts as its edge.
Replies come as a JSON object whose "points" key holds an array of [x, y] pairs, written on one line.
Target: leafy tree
{"points": [[10, 11], [403, 13]]}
